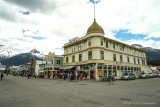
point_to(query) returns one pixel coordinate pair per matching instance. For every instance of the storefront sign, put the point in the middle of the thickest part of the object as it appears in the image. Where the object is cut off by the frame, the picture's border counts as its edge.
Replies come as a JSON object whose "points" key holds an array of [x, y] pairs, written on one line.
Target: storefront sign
{"points": [[99, 73]]}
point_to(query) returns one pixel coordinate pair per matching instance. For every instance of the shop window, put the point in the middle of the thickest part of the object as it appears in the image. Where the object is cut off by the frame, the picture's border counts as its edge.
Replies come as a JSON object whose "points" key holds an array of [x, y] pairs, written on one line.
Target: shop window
{"points": [[114, 67], [105, 67], [121, 68], [99, 66], [129, 68], [126, 68], [115, 73], [55, 68]]}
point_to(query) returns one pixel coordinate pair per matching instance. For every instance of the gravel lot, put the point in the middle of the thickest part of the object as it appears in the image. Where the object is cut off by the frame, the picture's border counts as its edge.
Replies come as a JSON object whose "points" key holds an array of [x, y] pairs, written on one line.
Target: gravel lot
{"points": [[22, 92]]}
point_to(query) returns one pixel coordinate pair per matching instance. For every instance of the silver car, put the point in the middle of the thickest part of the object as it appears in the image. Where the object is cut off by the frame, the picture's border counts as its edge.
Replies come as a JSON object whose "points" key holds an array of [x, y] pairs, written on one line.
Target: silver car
{"points": [[144, 75], [128, 76]]}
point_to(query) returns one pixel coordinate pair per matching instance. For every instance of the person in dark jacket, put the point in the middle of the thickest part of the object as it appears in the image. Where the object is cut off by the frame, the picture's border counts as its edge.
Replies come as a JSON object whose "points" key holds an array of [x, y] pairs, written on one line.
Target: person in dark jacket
{"points": [[110, 78], [1, 76], [28, 75]]}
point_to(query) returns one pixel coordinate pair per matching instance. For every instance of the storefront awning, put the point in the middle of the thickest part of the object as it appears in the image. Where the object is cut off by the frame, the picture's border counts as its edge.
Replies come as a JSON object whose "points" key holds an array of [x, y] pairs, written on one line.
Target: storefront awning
{"points": [[67, 67]]}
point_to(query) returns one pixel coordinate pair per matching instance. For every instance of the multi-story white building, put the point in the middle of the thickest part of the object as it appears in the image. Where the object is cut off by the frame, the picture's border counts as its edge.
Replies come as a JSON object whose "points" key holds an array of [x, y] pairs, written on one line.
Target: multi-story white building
{"points": [[95, 53]]}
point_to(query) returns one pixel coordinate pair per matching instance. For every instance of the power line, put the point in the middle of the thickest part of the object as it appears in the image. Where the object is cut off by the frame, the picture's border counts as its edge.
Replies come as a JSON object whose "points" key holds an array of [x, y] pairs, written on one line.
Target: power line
{"points": [[7, 17], [12, 19], [3, 9], [15, 11], [9, 9]]}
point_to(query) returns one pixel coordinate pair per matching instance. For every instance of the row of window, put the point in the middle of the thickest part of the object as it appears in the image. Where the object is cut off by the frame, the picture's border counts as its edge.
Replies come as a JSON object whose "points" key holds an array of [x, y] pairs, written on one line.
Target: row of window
{"points": [[114, 46], [102, 57], [128, 59], [74, 47], [51, 62], [114, 67], [52, 68]]}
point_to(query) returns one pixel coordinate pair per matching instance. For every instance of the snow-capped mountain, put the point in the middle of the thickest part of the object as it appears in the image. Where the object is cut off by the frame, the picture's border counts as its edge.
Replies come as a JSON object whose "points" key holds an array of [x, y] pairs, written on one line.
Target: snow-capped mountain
{"points": [[137, 45], [36, 53], [22, 58], [5, 53], [145, 48]]}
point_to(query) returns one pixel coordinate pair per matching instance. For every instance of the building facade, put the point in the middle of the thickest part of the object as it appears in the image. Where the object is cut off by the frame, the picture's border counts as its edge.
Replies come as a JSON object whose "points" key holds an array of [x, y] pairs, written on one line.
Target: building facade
{"points": [[95, 53], [2, 67], [53, 64]]}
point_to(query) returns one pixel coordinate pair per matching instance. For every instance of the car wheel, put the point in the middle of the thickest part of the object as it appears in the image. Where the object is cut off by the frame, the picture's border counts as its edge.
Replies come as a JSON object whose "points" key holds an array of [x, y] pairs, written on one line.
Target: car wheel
{"points": [[127, 78]]}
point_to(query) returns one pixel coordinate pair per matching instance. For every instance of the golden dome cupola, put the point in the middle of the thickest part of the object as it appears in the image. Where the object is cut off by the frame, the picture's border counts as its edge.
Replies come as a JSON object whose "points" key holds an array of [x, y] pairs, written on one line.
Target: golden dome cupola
{"points": [[95, 28]]}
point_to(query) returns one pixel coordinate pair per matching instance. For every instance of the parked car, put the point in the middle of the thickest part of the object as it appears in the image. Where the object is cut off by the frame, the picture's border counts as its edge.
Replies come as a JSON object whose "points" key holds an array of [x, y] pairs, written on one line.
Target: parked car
{"points": [[144, 75], [150, 75], [158, 74], [128, 76], [154, 74]]}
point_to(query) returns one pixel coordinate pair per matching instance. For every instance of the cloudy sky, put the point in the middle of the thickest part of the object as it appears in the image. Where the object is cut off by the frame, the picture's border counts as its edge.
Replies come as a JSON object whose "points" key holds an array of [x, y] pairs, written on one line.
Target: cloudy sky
{"points": [[47, 24]]}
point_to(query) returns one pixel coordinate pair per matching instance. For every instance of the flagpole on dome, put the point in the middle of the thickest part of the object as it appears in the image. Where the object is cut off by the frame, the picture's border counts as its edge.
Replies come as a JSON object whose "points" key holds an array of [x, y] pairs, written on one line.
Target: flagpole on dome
{"points": [[94, 12]]}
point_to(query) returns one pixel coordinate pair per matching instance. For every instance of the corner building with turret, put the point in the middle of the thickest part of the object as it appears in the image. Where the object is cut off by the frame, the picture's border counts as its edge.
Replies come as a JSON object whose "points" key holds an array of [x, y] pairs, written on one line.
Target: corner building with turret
{"points": [[99, 55]]}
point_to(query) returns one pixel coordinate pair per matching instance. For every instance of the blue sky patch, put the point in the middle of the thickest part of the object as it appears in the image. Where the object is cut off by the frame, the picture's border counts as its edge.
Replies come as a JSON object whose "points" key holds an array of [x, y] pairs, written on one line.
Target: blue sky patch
{"points": [[124, 35], [155, 39], [25, 12], [25, 30], [60, 49], [36, 32], [35, 37], [94, 1]]}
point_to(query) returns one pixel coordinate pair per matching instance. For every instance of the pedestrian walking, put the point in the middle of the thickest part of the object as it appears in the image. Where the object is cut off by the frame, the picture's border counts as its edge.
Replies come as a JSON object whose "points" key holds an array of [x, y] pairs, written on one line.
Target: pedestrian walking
{"points": [[34, 75], [94, 76], [64, 76], [53, 75], [68, 75], [110, 79], [49, 75], [1, 76], [28, 75]]}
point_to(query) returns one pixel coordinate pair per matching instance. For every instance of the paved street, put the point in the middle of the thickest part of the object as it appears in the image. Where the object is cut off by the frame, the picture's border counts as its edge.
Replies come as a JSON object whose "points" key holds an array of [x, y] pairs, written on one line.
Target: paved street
{"points": [[21, 92]]}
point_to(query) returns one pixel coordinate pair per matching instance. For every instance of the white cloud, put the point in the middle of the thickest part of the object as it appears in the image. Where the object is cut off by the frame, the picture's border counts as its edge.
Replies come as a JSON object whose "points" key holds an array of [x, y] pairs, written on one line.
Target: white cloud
{"points": [[60, 20]]}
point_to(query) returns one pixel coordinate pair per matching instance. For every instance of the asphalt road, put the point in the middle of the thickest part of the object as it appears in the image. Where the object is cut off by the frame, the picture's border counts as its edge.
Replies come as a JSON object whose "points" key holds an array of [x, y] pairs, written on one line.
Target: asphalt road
{"points": [[23, 92]]}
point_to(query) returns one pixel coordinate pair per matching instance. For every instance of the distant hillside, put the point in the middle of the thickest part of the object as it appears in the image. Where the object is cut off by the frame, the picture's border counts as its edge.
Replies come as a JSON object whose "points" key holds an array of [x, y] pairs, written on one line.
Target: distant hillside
{"points": [[154, 62], [19, 59]]}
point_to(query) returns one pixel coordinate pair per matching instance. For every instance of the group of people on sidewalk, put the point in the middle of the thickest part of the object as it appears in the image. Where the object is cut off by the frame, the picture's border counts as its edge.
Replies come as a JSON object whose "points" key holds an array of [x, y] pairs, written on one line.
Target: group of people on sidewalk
{"points": [[71, 76], [78, 76]]}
